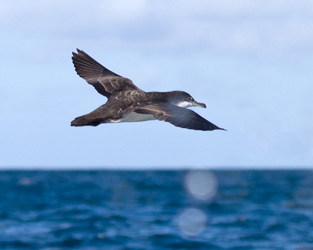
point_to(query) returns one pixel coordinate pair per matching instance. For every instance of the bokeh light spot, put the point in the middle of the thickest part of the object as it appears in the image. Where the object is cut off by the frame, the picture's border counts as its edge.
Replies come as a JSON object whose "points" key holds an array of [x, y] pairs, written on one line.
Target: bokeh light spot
{"points": [[192, 221], [201, 184]]}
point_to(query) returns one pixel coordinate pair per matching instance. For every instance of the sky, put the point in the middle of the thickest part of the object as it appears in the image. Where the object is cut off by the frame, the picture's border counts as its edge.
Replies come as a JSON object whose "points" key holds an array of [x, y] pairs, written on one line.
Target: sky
{"points": [[249, 61]]}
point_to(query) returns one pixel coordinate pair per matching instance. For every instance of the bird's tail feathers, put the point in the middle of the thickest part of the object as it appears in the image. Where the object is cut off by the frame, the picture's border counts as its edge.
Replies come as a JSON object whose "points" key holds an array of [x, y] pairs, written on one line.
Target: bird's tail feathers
{"points": [[85, 121]]}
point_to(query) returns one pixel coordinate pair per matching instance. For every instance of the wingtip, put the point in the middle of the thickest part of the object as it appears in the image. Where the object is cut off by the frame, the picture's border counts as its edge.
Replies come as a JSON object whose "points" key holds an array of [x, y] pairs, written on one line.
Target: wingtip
{"points": [[77, 52]]}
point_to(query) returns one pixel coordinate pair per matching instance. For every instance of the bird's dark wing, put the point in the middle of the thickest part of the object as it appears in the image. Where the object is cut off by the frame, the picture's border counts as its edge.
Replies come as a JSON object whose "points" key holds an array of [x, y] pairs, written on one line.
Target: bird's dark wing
{"points": [[105, 81], [180, 117]]}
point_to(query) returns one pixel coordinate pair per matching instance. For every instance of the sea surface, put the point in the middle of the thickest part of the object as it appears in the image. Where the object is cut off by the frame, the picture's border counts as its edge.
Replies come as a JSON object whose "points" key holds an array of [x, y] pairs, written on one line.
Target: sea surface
{"points": [[122, 210]]}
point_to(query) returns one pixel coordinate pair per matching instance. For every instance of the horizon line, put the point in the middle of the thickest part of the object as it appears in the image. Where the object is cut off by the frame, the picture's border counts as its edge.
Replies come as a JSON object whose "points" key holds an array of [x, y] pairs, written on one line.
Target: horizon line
{"points": [[150, 168]]}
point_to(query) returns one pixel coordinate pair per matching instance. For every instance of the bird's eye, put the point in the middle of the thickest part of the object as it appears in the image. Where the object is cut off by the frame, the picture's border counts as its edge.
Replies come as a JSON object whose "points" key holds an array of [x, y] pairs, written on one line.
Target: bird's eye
{"points": [[190, 99]]}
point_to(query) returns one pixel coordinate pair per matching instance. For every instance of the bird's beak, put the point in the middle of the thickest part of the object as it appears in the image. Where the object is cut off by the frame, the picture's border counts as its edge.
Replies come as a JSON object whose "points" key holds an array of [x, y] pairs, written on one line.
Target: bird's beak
{"points": [[199, 104]]}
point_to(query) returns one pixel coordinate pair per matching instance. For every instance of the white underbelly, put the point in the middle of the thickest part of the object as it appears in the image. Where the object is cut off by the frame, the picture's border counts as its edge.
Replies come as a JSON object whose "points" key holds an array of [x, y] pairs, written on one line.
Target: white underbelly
{"points": [[135, 117]]}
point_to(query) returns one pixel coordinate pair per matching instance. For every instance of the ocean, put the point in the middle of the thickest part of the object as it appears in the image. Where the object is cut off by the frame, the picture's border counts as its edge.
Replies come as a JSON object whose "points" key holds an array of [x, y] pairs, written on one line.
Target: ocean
{"points": [[143, 210]]}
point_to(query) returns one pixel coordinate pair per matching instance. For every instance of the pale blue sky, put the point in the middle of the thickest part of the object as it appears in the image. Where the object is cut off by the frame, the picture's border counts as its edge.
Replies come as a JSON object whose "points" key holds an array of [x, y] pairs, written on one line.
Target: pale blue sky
{"points": [[249, 61]]}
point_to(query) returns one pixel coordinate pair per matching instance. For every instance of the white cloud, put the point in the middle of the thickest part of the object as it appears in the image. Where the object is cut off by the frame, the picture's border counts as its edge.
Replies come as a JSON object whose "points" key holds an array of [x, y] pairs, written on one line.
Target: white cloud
{"points": [[226, 25], [68, 14], [239, 8]]}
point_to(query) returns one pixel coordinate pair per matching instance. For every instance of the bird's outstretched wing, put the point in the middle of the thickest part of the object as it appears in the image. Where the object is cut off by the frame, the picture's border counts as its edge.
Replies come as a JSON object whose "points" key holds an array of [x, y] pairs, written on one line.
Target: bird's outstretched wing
{"points": [[180, 117], [105, 81]]}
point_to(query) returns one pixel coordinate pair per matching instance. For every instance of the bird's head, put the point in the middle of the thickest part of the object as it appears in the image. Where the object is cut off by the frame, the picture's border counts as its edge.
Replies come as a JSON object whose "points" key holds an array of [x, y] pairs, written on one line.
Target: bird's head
{"points": [[184, 100]]}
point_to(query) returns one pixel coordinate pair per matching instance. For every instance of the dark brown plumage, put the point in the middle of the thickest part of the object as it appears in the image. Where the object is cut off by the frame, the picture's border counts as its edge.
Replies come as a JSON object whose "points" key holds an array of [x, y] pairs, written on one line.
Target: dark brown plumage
{"points": [[127, 103]]}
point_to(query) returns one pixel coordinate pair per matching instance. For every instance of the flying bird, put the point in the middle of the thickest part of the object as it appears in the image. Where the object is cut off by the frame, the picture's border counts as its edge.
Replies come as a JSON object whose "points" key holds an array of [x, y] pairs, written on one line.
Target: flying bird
{"points": [[127, 103]]}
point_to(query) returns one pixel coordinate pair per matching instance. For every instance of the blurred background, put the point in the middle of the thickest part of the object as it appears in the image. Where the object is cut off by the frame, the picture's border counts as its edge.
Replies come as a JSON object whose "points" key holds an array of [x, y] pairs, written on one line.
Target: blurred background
{"points": [[249, 61]]}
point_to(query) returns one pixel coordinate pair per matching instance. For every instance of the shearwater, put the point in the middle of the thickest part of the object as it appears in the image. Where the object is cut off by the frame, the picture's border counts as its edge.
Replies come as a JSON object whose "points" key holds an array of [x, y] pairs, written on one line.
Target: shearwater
{"points": [[127, 103]]}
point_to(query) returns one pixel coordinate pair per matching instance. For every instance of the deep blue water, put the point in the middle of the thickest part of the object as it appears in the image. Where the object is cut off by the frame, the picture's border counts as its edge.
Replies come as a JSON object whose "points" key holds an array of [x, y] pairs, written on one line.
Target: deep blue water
{"points": [[146, 210]]}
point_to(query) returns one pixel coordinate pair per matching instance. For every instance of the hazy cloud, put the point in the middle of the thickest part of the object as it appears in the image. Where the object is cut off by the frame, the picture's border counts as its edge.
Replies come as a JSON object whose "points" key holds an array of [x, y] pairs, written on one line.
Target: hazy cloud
{"points": [[252, 26]]}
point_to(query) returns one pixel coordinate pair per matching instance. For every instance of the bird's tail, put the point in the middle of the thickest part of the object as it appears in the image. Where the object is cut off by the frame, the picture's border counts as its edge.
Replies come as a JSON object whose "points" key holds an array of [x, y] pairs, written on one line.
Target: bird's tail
{"points": [[85, 121]]}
